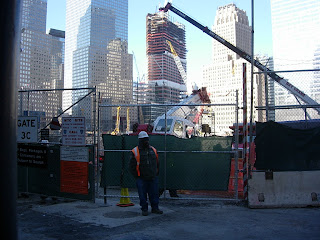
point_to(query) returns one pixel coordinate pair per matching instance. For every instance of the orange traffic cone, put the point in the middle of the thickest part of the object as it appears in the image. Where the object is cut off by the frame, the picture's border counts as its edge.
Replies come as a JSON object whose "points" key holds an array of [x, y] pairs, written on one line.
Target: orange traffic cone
{"points": [[125, 200]]}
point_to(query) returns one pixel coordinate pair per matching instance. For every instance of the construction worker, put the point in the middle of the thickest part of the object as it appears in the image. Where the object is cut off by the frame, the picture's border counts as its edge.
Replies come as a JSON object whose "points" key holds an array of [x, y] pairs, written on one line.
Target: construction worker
{"points": [[144, 166]]}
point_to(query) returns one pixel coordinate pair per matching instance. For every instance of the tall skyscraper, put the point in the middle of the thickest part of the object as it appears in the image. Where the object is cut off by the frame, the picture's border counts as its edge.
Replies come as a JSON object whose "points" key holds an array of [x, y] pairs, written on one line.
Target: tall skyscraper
{"points": [[296, 37], [225, 75], [97, 55], [163, 73], [267, 97], [41, 62]]}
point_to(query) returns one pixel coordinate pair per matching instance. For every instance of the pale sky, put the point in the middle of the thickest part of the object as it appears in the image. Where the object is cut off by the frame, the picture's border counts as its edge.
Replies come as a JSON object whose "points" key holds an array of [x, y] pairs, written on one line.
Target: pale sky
{"points": [[199, 44]]}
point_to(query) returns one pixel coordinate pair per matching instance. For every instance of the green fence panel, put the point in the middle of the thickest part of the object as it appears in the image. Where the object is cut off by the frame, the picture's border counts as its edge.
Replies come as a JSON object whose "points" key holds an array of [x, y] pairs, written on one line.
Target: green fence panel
{"points": [[46, 179], [192, 171]]}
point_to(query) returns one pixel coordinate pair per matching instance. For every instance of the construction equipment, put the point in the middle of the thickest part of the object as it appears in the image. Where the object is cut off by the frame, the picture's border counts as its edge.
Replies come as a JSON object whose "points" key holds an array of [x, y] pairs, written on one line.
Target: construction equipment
{"points": [[179, 121], [140, 113], [283, 82], [116, 131], [128, 121], [178, 62]]}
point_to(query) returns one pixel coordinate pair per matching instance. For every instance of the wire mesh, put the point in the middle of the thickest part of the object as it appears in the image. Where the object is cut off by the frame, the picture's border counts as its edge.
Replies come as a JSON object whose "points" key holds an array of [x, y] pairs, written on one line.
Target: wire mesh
{"points": [[279, 105], [46, 105], [193, 162]]}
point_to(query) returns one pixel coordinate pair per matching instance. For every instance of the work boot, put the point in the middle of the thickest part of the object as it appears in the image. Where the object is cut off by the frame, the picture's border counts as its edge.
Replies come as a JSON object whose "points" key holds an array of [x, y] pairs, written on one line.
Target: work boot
{"points": [[173, 193], [157, 211], [144, 212]]}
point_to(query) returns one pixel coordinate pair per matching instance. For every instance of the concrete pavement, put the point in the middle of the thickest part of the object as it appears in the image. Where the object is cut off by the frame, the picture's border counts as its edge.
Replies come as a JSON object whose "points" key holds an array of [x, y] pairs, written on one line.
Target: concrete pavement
{"points": [[182, 219]]}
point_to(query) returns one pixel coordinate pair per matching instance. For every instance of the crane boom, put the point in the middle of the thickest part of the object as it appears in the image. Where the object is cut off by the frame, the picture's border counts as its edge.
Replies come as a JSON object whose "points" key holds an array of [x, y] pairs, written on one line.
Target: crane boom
{"points": [[284, 83], [178, 62]]}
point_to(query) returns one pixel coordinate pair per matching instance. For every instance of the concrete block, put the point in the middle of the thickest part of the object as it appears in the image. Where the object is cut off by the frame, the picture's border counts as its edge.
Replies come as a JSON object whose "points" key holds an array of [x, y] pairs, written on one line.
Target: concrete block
{"points": [[284, 189]]}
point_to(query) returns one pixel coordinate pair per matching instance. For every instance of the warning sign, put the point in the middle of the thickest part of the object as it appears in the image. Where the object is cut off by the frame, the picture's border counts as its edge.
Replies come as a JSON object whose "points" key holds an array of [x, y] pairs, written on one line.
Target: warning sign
{"points": [[73, 131]]}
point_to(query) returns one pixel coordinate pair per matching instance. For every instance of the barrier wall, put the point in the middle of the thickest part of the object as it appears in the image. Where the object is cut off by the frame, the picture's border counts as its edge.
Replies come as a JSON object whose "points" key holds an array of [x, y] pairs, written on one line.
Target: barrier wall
{"points": [[184, 170], [284, 189]]}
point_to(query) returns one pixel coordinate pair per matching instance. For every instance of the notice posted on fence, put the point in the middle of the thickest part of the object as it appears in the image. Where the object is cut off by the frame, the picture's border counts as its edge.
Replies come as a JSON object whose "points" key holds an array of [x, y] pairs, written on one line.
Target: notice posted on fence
{"points": [[77, 154], [74, 169], [32, 156], [73, 131]]}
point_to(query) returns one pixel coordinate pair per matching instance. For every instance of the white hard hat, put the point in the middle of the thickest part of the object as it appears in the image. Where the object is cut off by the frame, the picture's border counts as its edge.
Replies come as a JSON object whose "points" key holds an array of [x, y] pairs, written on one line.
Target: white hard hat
{"points": [[143, 134]]}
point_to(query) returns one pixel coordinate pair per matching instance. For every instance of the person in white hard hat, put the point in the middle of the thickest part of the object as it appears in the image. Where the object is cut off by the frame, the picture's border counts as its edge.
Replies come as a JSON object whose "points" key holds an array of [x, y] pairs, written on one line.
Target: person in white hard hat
{"points": [[144, 166]]}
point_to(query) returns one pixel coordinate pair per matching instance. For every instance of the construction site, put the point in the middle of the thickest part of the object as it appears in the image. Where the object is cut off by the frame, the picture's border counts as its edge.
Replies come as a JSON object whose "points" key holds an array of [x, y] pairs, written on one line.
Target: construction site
{"points": [[217, 172]]}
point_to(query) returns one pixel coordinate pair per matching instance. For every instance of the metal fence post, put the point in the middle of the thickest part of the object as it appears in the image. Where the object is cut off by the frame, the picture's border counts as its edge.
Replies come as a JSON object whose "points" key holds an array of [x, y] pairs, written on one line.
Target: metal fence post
{"points": [[267, 95], [98, 146], [236, 145], [165, 154], [95, 155]]}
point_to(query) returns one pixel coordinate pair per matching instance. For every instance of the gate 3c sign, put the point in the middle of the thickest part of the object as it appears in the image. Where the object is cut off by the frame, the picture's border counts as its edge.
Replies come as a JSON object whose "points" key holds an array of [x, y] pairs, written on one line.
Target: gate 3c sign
{"points": [[27, 129]]}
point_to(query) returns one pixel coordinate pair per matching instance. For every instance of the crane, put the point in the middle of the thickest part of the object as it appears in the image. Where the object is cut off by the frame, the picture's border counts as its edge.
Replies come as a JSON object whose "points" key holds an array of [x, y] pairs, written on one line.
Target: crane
{"points": [[178, 115], [283, 82], [116, 131], [178, 62], [140, 113], [128, 121]]}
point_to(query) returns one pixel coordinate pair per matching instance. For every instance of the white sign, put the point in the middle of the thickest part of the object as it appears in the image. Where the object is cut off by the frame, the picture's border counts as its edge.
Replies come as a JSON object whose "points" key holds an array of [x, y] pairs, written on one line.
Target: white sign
{"points": [[73, 131], [27, 129], [77, 154]]}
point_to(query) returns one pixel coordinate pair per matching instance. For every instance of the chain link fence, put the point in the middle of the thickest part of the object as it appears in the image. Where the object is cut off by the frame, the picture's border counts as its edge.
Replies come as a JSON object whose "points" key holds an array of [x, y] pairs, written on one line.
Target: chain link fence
{"points": [[47, 106], [279, 105], [194, 162], [44, 165]]}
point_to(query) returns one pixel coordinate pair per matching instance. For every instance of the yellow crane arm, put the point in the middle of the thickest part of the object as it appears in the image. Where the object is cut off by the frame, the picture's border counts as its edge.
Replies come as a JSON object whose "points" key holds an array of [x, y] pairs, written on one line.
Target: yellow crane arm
{"points": [[116, 131]]}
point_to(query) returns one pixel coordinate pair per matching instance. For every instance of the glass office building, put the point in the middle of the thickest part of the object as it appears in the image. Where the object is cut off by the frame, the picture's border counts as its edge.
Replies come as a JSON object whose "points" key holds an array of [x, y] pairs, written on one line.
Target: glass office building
{"points": [[41, 62], [97, 54], [296, 37]]}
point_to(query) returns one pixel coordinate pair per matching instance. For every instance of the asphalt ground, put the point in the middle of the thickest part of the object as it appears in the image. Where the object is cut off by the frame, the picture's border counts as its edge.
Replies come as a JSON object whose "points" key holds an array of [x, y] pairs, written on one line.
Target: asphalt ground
{"points": [[58, 218]]}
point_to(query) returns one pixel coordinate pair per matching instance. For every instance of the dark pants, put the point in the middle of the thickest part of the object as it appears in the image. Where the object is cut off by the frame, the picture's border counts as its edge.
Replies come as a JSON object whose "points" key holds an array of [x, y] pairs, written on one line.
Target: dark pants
{"points": [[150, 188]]}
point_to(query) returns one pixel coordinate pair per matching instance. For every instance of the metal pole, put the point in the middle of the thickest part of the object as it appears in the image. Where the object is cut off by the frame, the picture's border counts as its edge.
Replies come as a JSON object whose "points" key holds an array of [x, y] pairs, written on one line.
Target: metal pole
{"points": [[165, 154], [245, 125], [236, 145], [95, 155], [267, 95], [251, 100], [9, 57], [98, 145], [21, 103], [28, 106]]}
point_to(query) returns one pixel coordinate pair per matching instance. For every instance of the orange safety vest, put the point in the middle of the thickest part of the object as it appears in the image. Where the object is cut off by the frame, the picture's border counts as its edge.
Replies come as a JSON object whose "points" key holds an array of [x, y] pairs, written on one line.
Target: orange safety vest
{"points": [[136, 153]]}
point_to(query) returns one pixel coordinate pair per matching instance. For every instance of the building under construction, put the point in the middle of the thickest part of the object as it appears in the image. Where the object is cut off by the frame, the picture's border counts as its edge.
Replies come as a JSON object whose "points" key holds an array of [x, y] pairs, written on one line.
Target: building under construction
{"points": [[163, 73]]}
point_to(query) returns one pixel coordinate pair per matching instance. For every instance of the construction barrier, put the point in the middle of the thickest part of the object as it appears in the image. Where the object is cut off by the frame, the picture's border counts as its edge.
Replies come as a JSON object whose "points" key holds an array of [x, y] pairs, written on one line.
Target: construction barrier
{"points": [[284, 189], [52, 170], [202, 169]]}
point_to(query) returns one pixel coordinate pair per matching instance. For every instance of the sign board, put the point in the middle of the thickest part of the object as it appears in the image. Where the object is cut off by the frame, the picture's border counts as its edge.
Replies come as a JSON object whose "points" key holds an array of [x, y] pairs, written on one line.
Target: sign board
{"points": [[77, 154], [27, 129], [73, 131], [44, 134], [74, 167], [32, 156]]}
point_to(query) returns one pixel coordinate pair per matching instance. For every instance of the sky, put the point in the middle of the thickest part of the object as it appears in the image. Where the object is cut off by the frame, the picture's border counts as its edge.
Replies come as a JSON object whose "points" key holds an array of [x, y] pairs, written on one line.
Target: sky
{"points": [[199, 44]]}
